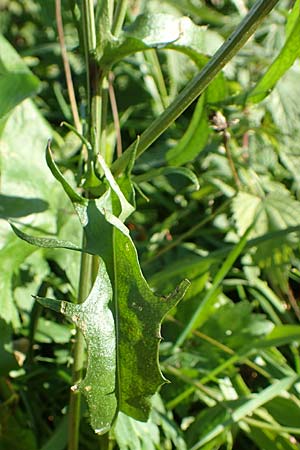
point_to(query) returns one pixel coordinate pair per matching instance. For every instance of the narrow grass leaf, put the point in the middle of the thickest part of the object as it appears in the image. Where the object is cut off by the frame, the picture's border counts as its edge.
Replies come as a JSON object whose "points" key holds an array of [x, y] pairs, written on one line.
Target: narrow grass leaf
{"points": [[248, 408], [184, 171], [286, 58], [193, 140], [202, 312]]}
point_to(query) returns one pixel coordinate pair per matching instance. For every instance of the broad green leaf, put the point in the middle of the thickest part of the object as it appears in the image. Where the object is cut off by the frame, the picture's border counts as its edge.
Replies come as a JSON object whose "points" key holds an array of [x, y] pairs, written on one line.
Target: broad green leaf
{"points": [[22, 135], [28, 191], [48, 331], [277, 210], [133, 435], [285, 411], [16, 80], [283, 103], [163, 31], [286, 58], [129, 348]]}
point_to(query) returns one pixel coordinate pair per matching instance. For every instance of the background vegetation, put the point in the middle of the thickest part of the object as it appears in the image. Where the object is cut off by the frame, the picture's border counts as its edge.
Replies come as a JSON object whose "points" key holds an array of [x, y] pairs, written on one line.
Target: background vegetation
{"points": [[231, 347]]}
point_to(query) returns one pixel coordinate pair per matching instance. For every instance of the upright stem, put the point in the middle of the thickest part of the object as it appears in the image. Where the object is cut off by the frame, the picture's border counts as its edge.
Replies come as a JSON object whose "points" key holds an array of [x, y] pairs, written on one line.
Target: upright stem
{"points": [[230, 47], [119, 17], [78, 355], [89, 264], [67, 68], [86, 265]]}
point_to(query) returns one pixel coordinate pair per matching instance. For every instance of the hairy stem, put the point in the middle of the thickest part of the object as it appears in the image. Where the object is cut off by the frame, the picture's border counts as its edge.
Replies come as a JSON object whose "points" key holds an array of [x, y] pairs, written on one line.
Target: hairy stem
{"points": [[193, 89]]}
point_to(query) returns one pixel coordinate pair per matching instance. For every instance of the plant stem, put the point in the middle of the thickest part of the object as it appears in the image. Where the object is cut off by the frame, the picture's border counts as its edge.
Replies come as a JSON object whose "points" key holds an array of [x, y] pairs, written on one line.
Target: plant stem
{"points": [[119, 17], [89, 263], [86, 270], [152, 58], [78, 355], [195, 87], [67, 69], [90, 28], [114, 110]]}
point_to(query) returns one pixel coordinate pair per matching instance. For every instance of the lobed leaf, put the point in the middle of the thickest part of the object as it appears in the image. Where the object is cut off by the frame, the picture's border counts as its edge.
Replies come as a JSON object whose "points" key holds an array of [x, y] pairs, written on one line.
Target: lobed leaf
{"points": [[123, 371], [95, 320]]}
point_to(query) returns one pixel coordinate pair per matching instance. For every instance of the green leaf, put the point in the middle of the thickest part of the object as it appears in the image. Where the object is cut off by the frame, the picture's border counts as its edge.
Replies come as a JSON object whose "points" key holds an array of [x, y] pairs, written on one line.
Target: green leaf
{"points": [[16, 80], [280, 335], [44, 242], [286, 58], [134, 435], [127, 374], [193, 140], [247, 408], [163, 31], [265, 438], [202, 312], [7, 360], [184, 171], [59, 438], [292, 18], [283, 103], [38, 198], [276, 210], [95, 320]]}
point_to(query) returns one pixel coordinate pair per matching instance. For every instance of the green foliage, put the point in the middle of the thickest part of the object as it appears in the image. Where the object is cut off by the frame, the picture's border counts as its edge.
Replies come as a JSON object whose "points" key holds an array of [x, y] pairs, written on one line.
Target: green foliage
{"points": [[16, 81], [217, 202]]}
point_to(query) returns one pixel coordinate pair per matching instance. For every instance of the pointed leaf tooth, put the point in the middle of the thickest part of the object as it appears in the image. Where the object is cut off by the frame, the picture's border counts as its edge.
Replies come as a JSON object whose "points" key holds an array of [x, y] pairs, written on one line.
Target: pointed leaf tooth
{"points": [[55, 305], [172, 299]]}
